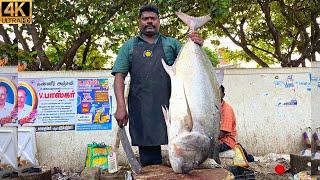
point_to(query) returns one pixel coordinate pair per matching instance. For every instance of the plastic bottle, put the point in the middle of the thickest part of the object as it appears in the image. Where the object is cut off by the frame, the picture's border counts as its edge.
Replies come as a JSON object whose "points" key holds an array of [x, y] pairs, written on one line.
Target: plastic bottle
{"points": [[112, 162]]}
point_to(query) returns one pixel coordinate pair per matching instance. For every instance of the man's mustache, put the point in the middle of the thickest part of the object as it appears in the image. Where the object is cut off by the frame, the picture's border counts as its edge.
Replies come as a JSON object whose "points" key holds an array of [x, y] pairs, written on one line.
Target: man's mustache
{"points": [[147, 26]]}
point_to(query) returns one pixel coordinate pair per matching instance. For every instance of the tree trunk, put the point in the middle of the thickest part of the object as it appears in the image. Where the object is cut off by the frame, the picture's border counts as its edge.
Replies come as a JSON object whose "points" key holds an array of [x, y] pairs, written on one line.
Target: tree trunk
{"points": [[86, 50], [69, 55], [45, 63], [244, 47], [4, 35]]}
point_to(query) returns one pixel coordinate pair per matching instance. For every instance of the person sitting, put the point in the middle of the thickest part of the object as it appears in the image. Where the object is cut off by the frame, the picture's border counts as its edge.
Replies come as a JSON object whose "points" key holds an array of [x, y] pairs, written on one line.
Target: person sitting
{"points": [[228, 126]]}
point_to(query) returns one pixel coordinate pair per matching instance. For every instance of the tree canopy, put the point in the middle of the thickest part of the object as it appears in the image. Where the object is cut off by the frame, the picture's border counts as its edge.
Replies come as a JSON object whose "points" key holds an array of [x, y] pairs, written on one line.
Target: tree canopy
{"points": [[83, 34], [273, 31]]}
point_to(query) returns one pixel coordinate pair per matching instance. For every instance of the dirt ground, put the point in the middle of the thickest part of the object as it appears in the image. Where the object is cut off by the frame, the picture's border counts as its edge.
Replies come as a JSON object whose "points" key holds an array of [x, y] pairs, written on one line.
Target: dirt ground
{"points": [[263, 169]]}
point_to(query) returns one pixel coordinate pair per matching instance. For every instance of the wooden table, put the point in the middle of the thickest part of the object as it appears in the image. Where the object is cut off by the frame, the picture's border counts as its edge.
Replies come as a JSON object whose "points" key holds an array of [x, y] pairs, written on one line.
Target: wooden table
{"points": [[155, 172]]}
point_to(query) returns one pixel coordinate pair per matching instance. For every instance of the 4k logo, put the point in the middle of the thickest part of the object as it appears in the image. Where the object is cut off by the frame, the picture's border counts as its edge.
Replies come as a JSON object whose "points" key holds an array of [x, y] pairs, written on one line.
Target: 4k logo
{"points": [[15, 11]]}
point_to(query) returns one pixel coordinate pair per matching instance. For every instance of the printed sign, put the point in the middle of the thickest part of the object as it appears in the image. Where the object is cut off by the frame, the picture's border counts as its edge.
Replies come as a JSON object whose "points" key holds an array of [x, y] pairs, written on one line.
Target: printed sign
{"points": [[47, 101], [94, 104]]}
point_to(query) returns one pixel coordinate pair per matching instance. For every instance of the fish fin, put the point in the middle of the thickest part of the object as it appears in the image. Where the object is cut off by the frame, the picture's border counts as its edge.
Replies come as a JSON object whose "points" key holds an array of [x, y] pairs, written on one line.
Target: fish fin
{"points": [[209, 164], [188, 123], [193, 22], [165, 112], [171, 70]]}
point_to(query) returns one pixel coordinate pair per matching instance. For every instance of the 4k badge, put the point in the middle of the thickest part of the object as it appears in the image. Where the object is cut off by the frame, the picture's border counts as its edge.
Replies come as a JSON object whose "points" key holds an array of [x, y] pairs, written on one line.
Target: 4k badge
{"points": [[147, 53]]}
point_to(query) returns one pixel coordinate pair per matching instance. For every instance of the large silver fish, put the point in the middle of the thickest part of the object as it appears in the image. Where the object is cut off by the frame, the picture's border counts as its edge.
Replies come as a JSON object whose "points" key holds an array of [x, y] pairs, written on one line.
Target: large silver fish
{"points": [[193, 117]]}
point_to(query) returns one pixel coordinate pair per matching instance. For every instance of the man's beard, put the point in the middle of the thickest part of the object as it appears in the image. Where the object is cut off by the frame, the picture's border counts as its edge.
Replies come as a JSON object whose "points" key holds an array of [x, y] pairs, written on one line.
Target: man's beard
{"points": [[146, 33]]}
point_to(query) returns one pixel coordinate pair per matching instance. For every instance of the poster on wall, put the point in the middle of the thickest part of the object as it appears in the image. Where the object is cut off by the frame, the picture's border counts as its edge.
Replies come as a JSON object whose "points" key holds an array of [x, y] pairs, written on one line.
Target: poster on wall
{"points": [[93, 104], [8, 99], [316, 81], [292, 82], [47, 103]]}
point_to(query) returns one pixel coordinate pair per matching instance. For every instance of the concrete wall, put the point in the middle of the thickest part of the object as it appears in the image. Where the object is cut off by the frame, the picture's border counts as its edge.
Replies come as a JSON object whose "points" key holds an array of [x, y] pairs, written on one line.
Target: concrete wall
{"points": [[67, 149], [315, 96], [8, 69], [265, 123]]}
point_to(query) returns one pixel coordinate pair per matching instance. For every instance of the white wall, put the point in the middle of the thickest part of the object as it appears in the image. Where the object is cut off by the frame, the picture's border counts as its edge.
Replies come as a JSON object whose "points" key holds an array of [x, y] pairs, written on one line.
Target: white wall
{"points": [[67, 149], [8, 69], [263, 127], [315, 96], [265, 124]]}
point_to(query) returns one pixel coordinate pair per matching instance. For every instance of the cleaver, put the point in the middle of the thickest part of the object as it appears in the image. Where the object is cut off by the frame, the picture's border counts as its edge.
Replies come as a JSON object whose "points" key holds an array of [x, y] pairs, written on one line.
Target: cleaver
{"points": [[132, 160]]}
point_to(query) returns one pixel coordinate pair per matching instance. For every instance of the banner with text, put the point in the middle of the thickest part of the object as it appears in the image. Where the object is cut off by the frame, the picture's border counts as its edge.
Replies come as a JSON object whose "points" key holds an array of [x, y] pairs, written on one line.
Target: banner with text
{"points": [[47, 101], [93, 104]]}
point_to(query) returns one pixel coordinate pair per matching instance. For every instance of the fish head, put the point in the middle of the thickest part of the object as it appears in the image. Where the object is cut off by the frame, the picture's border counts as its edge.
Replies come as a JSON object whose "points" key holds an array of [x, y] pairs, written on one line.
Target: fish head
{"points": [[187, 151]]}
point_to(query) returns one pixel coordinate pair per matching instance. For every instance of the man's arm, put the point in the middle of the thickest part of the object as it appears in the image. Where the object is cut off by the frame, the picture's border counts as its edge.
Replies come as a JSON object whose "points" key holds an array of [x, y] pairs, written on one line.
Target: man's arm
{"points": [[121, 114], [120, 70], [227, 120]]}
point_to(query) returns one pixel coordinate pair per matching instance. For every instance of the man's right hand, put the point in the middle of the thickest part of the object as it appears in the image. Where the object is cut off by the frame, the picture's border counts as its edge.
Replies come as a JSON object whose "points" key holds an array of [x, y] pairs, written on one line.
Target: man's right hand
{"points": [[121, 116]]}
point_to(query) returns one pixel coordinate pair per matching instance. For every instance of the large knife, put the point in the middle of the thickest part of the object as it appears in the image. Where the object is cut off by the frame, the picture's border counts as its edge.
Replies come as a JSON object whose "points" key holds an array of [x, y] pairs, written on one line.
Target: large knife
{"points": [[133, 162]]}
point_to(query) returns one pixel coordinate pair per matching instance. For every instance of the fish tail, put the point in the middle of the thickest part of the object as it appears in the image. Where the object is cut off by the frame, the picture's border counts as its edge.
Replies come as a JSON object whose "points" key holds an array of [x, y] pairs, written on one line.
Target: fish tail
{"points": [[193, 22]]}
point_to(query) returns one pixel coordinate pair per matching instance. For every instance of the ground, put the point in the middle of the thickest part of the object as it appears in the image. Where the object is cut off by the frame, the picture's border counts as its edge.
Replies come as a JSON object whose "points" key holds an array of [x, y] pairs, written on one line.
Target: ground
{"points": [[263, 168]]}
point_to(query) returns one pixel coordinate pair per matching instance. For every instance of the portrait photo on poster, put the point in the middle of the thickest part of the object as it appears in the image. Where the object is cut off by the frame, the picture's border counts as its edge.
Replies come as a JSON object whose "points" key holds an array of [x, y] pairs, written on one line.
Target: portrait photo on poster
{"points": [[27, 103], [8, 97]]}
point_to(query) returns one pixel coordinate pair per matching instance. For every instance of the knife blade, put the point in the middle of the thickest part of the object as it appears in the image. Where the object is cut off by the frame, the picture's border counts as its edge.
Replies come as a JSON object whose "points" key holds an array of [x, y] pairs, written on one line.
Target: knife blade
{"points": [[132, 160]]}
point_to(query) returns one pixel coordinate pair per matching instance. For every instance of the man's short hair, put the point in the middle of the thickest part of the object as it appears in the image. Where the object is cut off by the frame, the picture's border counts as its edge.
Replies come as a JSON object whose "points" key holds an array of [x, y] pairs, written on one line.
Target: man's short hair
{"points": [[222, 88], [149, 8]]}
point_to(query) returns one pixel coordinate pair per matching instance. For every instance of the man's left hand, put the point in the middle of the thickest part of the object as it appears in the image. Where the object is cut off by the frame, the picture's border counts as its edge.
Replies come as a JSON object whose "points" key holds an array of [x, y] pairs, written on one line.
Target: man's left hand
{"points": [[196, 38]]}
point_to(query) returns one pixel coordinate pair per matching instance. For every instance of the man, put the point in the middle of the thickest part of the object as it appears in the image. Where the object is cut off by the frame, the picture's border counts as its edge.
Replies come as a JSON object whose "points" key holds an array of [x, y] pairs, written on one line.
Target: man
{"points": [[23, 109], [228, 129], [150, 85], [6, 108]]}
